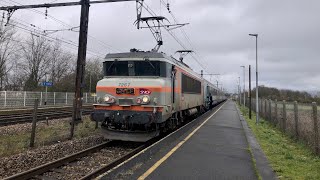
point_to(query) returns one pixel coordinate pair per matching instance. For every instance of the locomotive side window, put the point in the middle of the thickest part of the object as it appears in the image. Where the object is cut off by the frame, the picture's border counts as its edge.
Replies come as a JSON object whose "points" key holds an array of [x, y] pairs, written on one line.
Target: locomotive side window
{"points": [[190, 85], [135, 68]]}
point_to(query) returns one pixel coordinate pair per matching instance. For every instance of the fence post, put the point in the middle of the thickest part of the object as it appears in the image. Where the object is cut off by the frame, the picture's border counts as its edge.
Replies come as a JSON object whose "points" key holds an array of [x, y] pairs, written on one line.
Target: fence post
{"points": [[295, 109], [34, 122], [315, 126], [270, 116], [276, 111], [260, 107], [5, 98], [54, 98], [40, 98], [66, 98], [265, 109], [284, 116], [72, 121], [24, 99], [86, 97]]}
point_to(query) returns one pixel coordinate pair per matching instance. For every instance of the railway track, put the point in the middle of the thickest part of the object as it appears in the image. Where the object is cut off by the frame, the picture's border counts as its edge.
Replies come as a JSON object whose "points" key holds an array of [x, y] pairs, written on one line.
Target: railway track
{"points": [[92, 162], [23, 116], [85, 164]]}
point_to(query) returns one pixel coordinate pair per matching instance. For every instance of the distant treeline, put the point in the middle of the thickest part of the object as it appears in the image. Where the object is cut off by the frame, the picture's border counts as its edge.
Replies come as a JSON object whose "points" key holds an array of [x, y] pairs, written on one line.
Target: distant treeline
{"points": [[285, 94]]}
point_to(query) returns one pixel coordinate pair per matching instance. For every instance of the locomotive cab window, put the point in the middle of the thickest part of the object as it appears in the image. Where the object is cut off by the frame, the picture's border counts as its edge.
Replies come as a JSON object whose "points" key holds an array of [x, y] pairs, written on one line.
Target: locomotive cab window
{"points": [[135, 68]]}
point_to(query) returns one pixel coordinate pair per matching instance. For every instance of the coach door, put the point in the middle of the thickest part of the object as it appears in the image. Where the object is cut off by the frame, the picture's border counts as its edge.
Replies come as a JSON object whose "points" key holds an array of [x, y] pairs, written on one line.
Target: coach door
{"points": [[207, 98], [173, 84]]}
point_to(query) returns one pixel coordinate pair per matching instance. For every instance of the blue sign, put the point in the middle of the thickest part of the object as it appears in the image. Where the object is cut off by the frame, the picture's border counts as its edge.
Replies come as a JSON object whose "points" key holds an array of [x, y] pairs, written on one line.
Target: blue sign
{"points": [[49, 84]]}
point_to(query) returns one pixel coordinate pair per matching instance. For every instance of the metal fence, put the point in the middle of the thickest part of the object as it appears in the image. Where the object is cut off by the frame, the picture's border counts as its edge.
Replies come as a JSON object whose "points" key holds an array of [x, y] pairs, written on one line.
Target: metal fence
{"points": [[301, 121], [14, 99]]}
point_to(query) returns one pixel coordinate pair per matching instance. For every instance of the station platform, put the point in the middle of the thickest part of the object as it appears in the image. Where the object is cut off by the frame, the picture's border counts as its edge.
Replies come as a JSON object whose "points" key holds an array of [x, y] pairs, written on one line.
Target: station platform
{"points": [[215, 148]]}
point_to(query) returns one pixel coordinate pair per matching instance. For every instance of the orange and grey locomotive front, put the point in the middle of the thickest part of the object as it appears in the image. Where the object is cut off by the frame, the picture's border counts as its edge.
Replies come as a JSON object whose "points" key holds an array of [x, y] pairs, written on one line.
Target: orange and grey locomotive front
{"points": [[143, 93]]}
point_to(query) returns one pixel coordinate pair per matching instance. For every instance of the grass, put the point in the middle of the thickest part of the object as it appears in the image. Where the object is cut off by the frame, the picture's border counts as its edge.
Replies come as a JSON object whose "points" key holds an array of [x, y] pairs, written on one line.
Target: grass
{"points": [[288, 158], [254, 165], [13, 144]]}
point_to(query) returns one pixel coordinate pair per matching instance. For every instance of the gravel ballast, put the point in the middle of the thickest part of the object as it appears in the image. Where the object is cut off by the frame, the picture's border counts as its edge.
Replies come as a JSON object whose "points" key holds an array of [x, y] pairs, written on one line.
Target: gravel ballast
{"points": [[32, 158]]}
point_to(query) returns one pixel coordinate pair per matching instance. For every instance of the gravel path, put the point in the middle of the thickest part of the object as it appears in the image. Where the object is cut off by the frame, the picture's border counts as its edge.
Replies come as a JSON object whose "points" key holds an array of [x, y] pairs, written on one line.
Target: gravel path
{"points": [[33, 158]]}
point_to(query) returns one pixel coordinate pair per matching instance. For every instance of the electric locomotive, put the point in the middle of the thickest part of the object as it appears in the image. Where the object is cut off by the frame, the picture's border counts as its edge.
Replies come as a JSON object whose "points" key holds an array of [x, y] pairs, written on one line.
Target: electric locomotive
{"points": [[145, 93]]}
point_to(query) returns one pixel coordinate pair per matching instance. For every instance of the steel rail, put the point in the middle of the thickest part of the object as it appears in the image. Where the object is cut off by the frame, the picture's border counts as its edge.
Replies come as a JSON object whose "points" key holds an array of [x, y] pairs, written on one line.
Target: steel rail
{"points": [[118, 161], [57, 163]]}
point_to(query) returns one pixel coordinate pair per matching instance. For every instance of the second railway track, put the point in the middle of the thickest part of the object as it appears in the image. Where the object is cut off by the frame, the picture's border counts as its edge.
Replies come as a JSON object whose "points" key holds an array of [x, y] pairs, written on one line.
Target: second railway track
{"points": [[23, 116], [86, 164]]}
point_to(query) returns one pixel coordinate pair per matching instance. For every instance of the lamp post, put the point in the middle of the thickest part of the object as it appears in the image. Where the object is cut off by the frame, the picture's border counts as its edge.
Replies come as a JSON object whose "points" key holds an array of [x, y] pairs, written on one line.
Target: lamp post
{"points": [[244, 86], [257, 100], [239, 87]]}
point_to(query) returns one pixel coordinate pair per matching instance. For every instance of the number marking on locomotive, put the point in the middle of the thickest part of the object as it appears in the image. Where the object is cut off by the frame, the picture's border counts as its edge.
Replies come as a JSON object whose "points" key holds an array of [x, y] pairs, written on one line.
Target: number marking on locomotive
{"points": [[124, 90], [124, 84]]}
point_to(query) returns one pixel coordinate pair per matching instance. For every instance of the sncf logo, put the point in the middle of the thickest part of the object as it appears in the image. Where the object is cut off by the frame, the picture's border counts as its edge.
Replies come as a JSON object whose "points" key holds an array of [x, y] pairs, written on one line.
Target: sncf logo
{"points": [[144, 91]]}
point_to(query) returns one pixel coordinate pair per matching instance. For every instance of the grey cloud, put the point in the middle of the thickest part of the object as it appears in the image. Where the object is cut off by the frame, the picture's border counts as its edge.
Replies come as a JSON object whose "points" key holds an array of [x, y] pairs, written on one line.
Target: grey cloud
{"points": [[288, 36]]}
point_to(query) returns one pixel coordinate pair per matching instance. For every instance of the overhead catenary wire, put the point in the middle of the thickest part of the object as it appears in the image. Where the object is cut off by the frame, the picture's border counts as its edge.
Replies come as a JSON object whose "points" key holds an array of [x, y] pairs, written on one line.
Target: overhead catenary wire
{"points": [[67, 26], [42, 13], [25, 27], [49, 38], [151, 12], [148, 9], [182, 30]]}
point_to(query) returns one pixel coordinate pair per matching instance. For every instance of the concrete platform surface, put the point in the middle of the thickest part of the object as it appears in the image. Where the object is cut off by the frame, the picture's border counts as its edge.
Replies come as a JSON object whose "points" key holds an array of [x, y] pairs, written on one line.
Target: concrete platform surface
{"points": [[217, 150]]}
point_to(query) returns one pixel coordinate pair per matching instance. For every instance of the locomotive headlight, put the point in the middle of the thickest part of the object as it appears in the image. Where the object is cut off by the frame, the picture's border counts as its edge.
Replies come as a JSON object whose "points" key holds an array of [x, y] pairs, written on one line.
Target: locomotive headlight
{"points": [[145, 99], [107, 98]]}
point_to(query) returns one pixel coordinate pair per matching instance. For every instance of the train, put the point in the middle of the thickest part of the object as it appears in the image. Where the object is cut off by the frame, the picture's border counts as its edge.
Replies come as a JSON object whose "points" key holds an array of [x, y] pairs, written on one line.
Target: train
{"points": [[144, 94]]}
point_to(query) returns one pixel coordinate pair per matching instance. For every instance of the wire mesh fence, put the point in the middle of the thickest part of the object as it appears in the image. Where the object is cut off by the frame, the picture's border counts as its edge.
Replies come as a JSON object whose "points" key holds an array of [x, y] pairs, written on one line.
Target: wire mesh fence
{"points": [[16, 99], [301, 121]]}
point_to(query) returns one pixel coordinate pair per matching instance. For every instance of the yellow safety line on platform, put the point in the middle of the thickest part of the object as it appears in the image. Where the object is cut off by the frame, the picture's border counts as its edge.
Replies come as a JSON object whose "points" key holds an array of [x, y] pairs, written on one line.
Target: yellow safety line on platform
{"points": [[164, 158]]}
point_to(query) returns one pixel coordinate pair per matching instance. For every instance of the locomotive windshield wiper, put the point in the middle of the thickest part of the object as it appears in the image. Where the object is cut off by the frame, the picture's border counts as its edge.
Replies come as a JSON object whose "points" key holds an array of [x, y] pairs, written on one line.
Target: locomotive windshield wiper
{"points": [[149, 63], [115, 60]]}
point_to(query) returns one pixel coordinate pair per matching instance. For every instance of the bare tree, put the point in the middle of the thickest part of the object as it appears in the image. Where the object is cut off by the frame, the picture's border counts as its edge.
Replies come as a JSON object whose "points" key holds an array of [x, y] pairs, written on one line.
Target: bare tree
{"points": [[93, 74], [16, 78], [61, 63], [36, 61], [7, 51]]}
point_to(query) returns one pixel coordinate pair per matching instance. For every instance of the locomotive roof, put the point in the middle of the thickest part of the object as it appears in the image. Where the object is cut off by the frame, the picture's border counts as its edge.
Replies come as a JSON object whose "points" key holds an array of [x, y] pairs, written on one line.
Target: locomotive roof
{"points": [[138, 54], [150, 54], [145, 54]]}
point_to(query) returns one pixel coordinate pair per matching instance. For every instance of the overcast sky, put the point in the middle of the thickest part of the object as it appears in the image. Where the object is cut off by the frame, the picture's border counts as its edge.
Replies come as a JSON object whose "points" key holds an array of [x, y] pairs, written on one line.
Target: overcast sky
{"points": [[288, 43]]}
